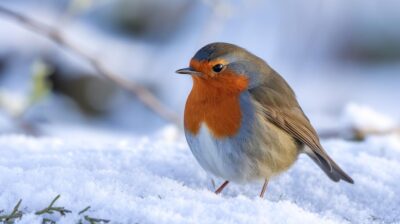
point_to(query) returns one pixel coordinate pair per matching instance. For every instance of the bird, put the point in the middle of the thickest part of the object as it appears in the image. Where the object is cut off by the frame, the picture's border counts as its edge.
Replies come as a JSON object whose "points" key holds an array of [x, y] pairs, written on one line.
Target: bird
{"points": [[242, 120]]}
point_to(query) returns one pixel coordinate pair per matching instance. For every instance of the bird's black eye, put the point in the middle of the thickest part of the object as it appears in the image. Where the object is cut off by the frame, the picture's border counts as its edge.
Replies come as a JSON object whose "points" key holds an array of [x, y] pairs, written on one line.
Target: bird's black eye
{"points": [[218, 67]]}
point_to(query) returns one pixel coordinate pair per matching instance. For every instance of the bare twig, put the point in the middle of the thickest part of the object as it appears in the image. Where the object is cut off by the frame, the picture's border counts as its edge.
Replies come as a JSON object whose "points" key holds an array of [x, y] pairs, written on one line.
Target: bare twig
{"points": [[92, 220], [143, 94], [48, 221], [15, 214], [84, 210], [95, 220], [50, 209], [357, 134]]}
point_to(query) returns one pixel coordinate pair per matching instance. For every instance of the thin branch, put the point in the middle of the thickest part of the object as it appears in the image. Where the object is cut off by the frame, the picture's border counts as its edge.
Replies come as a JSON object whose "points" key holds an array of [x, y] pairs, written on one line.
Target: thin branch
{"points": [[357, 134], [92, 220], [15, 214], [48, 221], [84, 210], [50, 209], [361, 134], [143, 94]]}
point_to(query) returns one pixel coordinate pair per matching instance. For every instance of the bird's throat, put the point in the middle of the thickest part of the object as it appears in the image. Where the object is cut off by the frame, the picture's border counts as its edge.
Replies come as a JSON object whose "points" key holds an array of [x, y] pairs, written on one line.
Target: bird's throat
{"points": [[217, 104]]}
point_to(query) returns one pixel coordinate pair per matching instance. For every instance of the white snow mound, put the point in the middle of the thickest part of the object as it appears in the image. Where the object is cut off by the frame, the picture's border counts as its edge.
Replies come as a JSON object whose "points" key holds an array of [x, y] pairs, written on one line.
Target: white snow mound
{"points": [[157, 180], [365, 118]]}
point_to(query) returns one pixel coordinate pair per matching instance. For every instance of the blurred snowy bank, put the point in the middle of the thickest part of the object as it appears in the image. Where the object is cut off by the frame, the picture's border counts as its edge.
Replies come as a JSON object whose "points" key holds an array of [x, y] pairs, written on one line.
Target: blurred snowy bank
{"points": [[332, 53]]}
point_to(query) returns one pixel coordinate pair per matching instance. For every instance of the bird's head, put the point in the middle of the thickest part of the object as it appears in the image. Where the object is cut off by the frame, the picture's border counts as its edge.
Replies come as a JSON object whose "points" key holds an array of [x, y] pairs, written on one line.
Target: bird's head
{"points": [[225, 66]]}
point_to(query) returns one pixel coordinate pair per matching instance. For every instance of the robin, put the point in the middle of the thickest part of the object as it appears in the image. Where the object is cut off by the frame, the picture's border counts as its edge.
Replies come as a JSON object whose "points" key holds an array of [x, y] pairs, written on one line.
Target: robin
{"points": [[242, 120]]}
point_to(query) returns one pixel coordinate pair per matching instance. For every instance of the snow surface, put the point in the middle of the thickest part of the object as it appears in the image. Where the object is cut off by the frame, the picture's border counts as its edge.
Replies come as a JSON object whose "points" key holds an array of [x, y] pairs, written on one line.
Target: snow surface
{"points": [[128, 178], [155, 179], [365, 118]]}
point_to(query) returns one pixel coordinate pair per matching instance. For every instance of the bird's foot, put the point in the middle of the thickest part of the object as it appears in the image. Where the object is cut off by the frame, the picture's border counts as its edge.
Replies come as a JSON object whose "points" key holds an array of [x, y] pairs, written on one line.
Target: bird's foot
{"points": [[219, 190]]}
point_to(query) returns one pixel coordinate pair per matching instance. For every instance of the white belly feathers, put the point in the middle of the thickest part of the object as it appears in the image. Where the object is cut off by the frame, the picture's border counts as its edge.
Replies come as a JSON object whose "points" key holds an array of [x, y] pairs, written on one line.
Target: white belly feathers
{"points": [[219, 157]]}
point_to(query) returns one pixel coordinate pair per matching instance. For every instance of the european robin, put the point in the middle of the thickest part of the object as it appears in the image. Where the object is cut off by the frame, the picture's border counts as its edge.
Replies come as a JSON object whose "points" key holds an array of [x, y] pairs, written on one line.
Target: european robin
{"points": [[242, 120]]}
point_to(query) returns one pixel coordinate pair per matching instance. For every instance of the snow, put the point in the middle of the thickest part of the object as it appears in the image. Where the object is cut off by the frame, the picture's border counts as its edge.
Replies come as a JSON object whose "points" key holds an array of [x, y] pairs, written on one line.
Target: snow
{"points": [[364, 118], [155, 179], [130, 178]]}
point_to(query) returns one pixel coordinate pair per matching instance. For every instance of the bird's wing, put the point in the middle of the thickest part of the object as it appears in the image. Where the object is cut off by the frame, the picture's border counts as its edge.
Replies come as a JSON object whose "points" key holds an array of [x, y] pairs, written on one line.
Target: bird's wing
{"points": [[297, 125], [283, 110]]}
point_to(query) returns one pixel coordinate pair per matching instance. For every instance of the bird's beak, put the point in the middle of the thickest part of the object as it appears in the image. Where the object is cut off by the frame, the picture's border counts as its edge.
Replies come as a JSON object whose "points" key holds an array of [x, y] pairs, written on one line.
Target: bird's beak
{"points": [[188, 71]]}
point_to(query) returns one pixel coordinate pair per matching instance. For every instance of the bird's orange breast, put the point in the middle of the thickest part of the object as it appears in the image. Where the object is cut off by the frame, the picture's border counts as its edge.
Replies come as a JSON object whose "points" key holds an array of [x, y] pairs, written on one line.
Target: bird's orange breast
{"points": [[216, 103]]}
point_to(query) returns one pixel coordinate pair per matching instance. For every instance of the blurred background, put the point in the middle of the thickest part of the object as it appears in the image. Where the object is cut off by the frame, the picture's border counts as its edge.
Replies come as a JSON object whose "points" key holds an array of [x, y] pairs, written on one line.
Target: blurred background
{"points": [[341, 57]]}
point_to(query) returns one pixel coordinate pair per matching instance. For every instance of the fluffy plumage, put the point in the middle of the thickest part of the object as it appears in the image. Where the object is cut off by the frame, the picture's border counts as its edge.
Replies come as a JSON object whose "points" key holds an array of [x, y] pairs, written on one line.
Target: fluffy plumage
{"points": [[244, 122]]}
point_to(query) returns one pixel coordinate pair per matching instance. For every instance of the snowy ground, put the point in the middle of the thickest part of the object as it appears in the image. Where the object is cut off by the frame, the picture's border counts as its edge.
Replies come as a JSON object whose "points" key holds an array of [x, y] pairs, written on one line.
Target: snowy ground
{"points": [[155, 179], [128, 178]]}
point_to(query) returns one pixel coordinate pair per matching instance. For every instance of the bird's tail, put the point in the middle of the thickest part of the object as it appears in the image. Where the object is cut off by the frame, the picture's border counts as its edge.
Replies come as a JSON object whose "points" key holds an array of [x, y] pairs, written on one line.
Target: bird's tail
{"points": [[331, 169]]}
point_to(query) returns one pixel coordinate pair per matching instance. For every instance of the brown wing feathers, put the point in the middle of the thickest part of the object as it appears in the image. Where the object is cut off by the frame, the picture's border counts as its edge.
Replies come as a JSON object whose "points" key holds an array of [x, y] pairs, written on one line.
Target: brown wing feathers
{"points": [[282, 109], [301, 129]]}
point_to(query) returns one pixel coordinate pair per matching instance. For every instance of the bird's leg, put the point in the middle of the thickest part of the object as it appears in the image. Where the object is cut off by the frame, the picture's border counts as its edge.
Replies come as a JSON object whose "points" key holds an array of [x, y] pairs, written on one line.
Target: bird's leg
{"points": [[264, 188], [219, 190]]}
